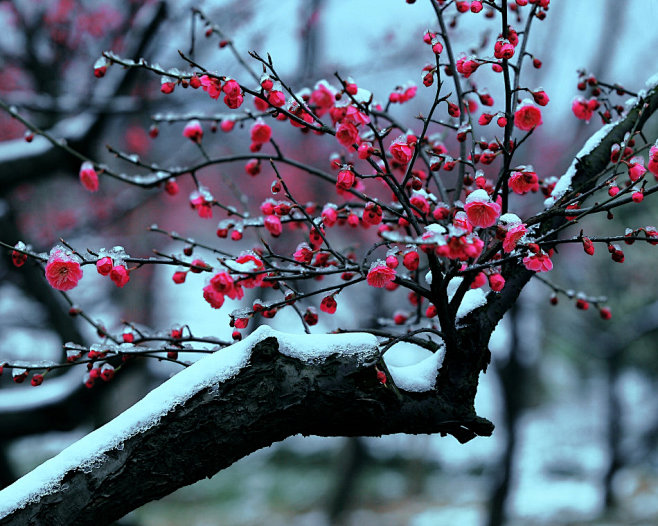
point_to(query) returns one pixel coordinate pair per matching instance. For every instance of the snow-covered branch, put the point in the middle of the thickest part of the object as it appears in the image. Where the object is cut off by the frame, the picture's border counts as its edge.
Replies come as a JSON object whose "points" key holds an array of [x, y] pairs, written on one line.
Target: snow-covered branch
{"points": [[224, 407]]}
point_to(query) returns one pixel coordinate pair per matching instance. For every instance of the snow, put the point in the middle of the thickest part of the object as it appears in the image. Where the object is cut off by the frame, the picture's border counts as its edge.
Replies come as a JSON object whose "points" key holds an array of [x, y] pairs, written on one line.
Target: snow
{"points": [[413, 367], [564, 183], [313, 348], [473, 298], [652, 81], [210, 370], [478, 195], [510, 219]]}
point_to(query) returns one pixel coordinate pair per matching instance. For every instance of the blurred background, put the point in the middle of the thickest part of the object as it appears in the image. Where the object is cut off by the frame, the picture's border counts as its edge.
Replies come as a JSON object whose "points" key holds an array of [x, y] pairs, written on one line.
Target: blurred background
{"points": [[571, 395]]}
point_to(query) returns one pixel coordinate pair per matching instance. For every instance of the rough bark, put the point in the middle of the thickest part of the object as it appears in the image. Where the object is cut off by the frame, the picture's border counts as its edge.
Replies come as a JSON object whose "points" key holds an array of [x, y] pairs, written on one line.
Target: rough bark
{"points": [[274, 397]]}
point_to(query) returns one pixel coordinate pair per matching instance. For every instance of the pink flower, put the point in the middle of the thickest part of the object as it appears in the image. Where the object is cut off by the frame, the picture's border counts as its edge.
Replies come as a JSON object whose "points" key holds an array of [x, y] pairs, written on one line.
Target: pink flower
{"points": [[232, 88], [527, 117], [119, 275], [461, 247], [410, 260], [328, 305], [224, 284], [512, 237], [256, 265], [193, 131], [212, 86], [227, 125], [380, 275], [104, 266], [273, 225], [276, 98], [355, 116], [323, 97], [653, 160], [88, 176], [179, 277], [481, 211], [214, 298], [62, 270], [167, 87], [401, 151], [345, 180], [540, 97], [522, 182], [303, 254], [584, 109], [485, 119], [419, 200], [329, 215], [496, 282], [467, 66], [636, 169], [202, 200], [347, 134], [234, 102], [538, 262], [503, 48], [260, 132], [171, 186]]}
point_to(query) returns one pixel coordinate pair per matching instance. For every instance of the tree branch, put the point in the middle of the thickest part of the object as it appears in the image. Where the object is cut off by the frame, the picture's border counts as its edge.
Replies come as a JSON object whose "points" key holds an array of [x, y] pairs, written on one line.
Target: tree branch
{"points": [[245, 397]]}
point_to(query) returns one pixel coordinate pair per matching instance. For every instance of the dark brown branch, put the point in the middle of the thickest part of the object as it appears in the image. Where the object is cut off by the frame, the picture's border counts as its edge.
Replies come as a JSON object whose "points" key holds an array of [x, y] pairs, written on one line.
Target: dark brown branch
{"points": [[273, 397]]}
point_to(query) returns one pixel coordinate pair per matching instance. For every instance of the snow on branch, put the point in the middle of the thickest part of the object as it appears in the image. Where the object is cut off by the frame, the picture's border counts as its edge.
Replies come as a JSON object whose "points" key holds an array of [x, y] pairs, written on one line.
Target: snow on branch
{"points": [[225, 406]]}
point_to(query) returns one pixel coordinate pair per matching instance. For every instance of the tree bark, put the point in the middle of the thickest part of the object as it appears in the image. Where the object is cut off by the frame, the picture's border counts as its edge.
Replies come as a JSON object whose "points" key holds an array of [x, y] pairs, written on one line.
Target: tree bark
{"points": [[274, 397]]}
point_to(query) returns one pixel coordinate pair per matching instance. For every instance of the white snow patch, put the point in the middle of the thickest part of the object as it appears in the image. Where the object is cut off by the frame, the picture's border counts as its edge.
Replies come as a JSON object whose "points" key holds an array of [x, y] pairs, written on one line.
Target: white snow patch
{"points": [[478, 195], [652, 81], [313, 348], [564, 183], [473, 299], [510, 219], [413, 367]]}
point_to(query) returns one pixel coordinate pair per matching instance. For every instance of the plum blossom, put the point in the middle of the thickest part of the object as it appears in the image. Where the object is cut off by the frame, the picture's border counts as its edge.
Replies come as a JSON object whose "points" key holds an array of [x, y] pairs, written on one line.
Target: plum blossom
{"points": [[380, 275], [328, 305], [62, 269], [584, 109], [104, 266], [513, 236], [528, 116], [481, 211], [119, 275], [347, 134], [323, 97], [523, 181], [260, 132], [215, 299], [193, 131], [212, 86], [539, 262], [89, 177], [653, 160], [400, 150]]}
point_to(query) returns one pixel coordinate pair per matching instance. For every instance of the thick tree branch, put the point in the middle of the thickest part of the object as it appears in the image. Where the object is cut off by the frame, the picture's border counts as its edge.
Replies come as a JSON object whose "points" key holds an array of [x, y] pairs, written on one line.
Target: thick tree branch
{"points": [[224, 407]]}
